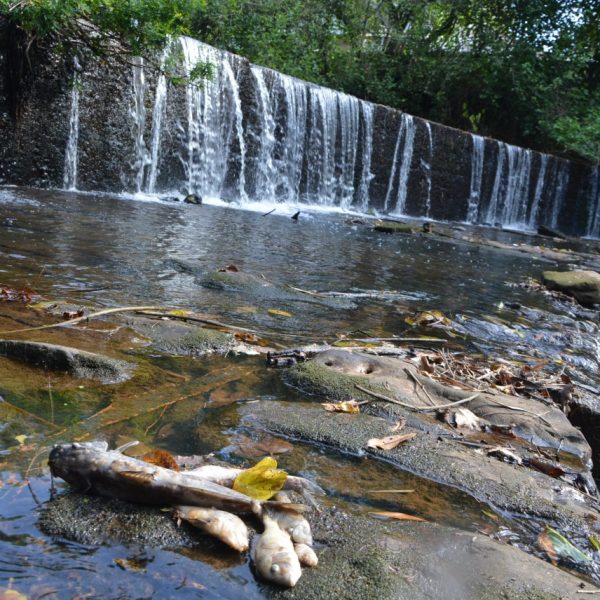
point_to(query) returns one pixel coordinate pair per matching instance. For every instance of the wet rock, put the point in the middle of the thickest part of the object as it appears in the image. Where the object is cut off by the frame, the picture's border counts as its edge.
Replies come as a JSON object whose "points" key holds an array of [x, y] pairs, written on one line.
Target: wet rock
{"points": [[78, 363], [584, 286], [359, 558], [548, 231], [193, 199], [514, 489], [182, 339], [393, 227], [94, 520], [334, 374], [169, 198]]}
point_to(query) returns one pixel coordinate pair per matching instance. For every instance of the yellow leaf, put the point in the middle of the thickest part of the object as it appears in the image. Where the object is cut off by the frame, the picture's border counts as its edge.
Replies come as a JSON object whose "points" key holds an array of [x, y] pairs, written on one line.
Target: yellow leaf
{"points": [[41, 305], [351, 406], [281, 313], [21, 439], [10, 594], [179, 312], [262, 481]]}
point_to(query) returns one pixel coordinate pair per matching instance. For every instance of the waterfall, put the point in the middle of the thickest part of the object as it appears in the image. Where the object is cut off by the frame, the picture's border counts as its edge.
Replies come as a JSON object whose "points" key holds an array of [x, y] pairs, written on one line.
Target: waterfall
{"points": [[158, 114], [593, 228], [291, 144], [426, 168], [214, 117], [405, 139], [70, 170], [266, 172], [367, 154], [510, 192], [138, 114], [476, 177], [561, 183], [537, 195], [250, 134]]}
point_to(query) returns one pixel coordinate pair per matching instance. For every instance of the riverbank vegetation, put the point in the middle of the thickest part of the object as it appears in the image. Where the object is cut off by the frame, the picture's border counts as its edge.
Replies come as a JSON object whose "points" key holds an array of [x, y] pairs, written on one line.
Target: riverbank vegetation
{"points": [[524, 72]]}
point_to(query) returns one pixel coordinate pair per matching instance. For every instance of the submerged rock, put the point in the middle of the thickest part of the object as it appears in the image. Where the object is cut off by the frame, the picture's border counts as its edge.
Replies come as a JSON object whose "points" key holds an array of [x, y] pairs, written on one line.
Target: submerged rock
{"points": [[192, 199], [78, 363], [183, 339], [359, 558], [584, 286]]}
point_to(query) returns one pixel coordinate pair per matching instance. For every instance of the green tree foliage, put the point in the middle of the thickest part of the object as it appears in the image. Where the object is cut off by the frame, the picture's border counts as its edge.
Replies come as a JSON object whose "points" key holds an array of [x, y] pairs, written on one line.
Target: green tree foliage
{"points": [[525, 71]]}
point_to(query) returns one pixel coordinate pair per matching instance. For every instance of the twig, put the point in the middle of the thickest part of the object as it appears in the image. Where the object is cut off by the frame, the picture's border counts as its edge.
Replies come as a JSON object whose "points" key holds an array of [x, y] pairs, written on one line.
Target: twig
{"points": [[417, 382], [412, 407], [400, 340], [268, 213], [162, 414], [28, 414], [148, 313], [107, 311], [519, 409]]}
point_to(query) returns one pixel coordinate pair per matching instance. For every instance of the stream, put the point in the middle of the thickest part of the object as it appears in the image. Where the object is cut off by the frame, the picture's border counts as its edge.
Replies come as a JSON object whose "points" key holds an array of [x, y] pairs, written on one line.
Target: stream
{"points": [[108, 251]]}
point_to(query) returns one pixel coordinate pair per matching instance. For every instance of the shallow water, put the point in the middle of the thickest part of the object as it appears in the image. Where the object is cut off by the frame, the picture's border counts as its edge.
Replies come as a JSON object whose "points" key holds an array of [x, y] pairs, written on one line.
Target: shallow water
{"points": [[116, 252]]}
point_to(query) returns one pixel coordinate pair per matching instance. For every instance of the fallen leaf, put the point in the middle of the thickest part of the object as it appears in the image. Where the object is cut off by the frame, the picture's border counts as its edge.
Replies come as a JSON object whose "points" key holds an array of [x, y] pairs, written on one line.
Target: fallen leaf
{"points": [[21, 439], [396, 515], [594, 543], [545, 543], [489, 514], [262, 481], [72, 314], [131, 564], [179, 312], [563, 548], [229, 269], [463, 418], [505, 453], [391, 441], [161, 458], [398, 425], [350, 406], [10, 594], [280, 313], [248, 338], [547, 468]]}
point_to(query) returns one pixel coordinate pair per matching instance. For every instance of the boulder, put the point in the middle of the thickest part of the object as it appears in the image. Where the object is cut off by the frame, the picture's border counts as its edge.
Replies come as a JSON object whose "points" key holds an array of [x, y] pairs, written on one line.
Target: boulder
{"points": [[78, 363], [192, 199], [584, 286]]}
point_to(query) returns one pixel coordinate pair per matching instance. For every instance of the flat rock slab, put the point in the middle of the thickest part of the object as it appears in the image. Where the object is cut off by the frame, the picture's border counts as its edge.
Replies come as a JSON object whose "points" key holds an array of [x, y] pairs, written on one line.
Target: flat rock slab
{"points": [[334, 374], [78, 363], [516, 490], [584, 286], [183, 339], [359, 558]]}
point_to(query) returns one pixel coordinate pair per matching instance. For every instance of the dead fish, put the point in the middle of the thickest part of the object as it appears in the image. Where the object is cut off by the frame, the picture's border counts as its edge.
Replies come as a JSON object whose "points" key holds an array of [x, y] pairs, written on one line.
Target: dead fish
{"points": [[274, 556], [226, 476], [225, 526], [306, 555], [291, 521], [92, 467]]}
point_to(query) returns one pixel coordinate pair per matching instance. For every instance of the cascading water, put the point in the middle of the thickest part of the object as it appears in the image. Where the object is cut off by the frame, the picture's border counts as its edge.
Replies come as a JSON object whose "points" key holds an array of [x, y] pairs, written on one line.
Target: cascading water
{"points": [[426, 168], [405, 140], [476, 177], [158, 115], [251, 134], [539, 190], [367, 154], [138, 114], [594, 206], [70, 171], [561, 182], [214, 115]]}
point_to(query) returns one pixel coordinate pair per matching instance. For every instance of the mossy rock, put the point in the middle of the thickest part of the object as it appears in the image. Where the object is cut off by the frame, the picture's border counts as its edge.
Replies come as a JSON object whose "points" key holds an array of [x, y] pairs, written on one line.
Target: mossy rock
{"points": [[584, 286]]}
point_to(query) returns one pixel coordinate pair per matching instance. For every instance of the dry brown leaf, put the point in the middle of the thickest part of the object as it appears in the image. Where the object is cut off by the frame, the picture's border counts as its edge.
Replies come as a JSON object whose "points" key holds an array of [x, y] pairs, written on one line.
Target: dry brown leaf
{"points": [[396, 515], [229, 269], [351, 406], [390, 442], [161, 458], [398, 425], [545, 543]]}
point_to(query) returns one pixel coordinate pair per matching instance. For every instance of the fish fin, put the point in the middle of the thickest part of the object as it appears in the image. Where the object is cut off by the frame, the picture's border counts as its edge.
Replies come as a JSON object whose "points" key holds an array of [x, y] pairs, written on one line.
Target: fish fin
{"points": [[301, 508], [127, 445], [138, 476]]}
